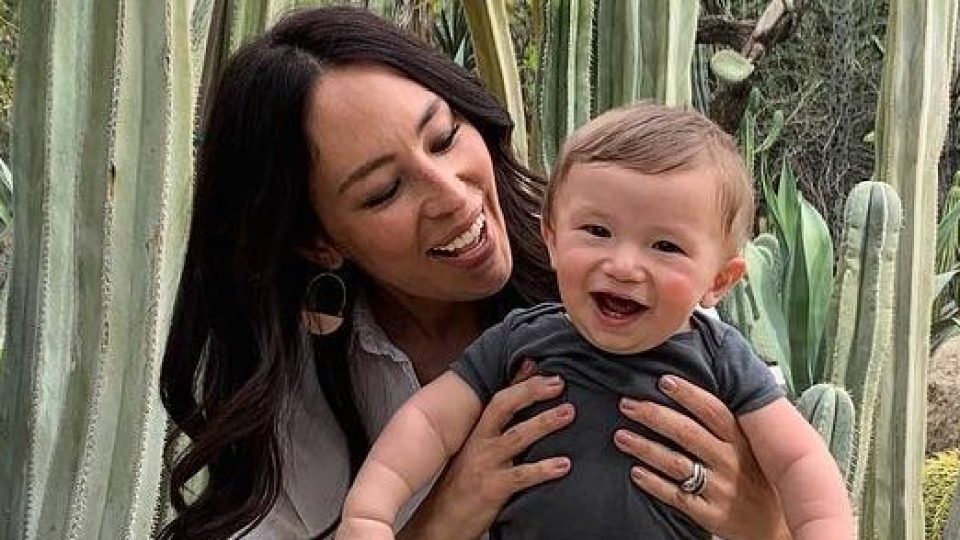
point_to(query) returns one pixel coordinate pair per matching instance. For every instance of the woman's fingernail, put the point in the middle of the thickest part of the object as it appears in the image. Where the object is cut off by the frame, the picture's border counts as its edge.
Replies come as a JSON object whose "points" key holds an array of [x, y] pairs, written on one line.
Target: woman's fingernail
{"points": [[668, 383], [623, 437], [565, 411], [628, 404], [637, 473], [562, 464], [554, 381]]}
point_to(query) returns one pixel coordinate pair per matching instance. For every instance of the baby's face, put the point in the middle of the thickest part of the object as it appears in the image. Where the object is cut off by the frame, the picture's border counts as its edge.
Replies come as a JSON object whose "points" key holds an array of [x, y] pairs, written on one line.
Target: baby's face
{"points": [[636, 253]]}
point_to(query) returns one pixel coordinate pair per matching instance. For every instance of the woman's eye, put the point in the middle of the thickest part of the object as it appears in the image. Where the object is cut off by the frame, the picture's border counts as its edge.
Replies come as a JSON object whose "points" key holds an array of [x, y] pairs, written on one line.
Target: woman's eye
{"points": [[667, 247], [383, 196], [447, 141], [596, 230]]}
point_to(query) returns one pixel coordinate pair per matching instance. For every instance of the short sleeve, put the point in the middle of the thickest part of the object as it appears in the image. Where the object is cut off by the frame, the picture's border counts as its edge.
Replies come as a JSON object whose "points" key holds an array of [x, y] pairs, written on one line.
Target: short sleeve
{"points": [[746, 382], [484, 364]]}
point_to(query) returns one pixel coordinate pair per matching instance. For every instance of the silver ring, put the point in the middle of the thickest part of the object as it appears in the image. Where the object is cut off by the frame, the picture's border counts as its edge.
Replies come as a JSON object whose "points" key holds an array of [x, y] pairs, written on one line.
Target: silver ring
{"points": [[697, 481]]}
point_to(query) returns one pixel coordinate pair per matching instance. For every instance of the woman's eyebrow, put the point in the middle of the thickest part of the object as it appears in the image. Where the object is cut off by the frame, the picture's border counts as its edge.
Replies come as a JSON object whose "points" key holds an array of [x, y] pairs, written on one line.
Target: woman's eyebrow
{"points": [[363, 170]]}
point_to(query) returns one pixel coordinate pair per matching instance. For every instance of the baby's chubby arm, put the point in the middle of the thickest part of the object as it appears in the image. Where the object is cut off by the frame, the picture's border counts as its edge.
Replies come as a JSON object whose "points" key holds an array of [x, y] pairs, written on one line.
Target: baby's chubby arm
{"points": [[797, 462], [419, 439]]}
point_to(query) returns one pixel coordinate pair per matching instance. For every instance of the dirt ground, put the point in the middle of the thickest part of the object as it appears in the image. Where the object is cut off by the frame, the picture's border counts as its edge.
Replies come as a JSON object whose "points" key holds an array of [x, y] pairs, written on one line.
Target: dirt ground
{"points": [[943, 398]]}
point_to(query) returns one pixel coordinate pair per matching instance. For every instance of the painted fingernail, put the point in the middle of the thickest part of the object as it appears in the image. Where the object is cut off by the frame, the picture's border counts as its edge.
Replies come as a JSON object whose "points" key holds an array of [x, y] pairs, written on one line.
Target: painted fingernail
{"points": [[623, 437], [668, 383], [628, 404], [561, 464], [637, 473], [565, 411]]}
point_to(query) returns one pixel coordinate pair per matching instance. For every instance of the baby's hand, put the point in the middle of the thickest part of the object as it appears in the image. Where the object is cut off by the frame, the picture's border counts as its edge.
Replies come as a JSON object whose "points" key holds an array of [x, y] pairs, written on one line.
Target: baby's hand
{"points": [[364, 529]]}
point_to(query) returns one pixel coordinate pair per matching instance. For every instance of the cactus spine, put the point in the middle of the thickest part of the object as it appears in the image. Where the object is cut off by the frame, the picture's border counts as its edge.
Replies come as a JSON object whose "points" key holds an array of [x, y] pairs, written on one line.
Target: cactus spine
{"points": [[830, 411], [911, 126], [102, 157]]}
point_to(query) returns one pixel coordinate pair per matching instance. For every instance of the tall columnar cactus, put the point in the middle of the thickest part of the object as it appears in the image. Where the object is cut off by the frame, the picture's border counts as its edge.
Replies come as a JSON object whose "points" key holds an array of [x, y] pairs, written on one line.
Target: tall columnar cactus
{"points": [[858, 345], [101, 153], [564, 87], [830, 411], [911, 125], [644, 50]]}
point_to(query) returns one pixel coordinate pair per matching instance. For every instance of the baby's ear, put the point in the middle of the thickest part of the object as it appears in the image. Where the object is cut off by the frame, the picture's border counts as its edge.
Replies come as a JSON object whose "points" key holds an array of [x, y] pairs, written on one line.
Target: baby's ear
{"points": [[549, 239], [723, 281]]}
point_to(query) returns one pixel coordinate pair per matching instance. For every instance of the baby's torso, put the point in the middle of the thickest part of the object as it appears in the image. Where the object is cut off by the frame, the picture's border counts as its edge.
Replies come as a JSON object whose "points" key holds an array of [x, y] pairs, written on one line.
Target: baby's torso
{"points": [[597, 498]]}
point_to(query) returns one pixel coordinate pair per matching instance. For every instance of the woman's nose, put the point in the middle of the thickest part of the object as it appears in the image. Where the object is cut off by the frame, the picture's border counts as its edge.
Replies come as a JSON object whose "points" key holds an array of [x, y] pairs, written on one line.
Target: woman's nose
{"points": [[446, 193]]}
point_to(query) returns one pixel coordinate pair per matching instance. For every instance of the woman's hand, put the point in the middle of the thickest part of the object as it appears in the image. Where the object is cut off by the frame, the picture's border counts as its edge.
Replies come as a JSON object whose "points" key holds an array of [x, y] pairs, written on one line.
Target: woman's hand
{"points": [[481, 477], [737, 501]]}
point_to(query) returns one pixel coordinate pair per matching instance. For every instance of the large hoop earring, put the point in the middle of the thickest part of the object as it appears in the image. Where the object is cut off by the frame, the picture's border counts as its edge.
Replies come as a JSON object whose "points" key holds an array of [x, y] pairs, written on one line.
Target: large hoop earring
{"points": [[324, 301]]}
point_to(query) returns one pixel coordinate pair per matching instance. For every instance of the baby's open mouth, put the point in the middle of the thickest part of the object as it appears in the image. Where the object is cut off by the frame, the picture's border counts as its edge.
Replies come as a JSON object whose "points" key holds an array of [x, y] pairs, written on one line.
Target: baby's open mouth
{"points": [[467, 240], [615, 306]]}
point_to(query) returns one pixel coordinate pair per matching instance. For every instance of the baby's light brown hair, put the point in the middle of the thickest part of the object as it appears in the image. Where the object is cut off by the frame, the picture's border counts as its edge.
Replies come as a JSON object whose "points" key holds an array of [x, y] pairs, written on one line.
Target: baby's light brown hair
{"points": [[654, 139]]}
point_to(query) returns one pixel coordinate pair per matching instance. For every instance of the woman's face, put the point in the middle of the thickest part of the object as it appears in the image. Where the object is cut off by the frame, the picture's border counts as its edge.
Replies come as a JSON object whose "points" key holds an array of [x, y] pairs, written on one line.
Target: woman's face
{"points": [[405, 188]]}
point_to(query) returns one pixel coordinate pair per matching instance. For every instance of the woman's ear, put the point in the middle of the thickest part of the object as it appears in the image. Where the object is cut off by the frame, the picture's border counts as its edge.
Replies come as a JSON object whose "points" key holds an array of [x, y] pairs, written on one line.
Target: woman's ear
{"points": [[723, 281], [323, 254]]}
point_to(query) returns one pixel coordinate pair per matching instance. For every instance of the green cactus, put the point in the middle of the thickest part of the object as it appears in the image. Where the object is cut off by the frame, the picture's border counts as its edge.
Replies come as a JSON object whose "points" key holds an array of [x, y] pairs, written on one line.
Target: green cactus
{"points": [[830, 411], [860, 324], [564, 77], [911, 127], [645, 50], [101, 151]]}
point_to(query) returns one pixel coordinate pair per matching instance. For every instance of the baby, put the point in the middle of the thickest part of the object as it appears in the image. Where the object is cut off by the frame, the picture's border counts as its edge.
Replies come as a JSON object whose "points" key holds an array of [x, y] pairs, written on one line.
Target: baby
{"points": [[644, 219]]}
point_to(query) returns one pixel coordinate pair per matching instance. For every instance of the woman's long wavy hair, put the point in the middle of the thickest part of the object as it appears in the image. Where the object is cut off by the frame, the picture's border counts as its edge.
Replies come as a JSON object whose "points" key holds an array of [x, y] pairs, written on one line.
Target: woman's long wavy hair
{"points": [[236, 346]]}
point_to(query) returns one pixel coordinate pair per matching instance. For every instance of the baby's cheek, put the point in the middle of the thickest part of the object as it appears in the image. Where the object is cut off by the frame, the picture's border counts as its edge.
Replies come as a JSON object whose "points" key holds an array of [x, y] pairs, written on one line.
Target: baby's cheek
{"points": [[677, 288]]}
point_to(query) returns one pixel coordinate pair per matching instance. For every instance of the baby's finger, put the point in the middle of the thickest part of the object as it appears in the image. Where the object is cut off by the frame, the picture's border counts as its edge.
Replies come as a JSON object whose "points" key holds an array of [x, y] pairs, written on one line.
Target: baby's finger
{"points": [[672, 464], [511, 399]]}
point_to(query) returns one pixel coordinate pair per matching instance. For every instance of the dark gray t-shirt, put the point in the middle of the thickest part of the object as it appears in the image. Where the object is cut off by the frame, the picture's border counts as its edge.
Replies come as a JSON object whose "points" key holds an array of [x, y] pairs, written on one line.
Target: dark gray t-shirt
{"points": [[597, 498]]}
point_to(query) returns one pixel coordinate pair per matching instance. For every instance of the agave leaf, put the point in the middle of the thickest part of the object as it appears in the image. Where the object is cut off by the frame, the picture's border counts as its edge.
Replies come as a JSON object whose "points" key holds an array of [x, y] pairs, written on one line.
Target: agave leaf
{"points": [[940, 281], [493, 49], [776, 127]]}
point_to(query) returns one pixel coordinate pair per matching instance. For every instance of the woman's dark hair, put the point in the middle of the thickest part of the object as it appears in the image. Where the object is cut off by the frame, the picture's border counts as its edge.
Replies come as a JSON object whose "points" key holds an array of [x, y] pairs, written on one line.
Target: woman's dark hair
{"points": [[236, 346]]}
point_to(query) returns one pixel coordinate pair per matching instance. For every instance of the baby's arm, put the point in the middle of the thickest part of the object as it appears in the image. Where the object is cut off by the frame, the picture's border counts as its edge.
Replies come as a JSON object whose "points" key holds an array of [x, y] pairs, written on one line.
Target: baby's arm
{"points": [[797, 462], [419, 439]]}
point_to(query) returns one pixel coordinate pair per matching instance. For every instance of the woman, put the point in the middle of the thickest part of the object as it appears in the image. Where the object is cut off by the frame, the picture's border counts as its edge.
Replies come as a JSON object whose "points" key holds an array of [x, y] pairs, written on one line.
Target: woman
{"points": [[348, 170]]}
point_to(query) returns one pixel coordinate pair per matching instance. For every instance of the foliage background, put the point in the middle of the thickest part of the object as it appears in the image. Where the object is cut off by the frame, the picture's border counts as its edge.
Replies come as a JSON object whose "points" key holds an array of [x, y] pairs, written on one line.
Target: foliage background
{"points": [[8, 40]]}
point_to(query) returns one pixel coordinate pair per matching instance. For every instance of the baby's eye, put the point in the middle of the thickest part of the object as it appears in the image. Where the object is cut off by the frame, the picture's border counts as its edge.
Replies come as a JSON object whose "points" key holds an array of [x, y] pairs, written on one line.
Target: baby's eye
{"points": [[667, 247], [596, 230]]}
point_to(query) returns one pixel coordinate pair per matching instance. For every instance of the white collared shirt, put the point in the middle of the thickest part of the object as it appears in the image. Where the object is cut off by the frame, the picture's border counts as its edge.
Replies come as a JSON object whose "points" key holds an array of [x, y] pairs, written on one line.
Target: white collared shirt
{"points": [[315, 459]]}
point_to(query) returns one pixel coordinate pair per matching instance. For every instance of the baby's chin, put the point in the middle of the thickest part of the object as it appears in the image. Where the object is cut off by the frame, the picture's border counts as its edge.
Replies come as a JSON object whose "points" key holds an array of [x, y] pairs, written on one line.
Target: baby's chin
{"points": [[621, 345]]}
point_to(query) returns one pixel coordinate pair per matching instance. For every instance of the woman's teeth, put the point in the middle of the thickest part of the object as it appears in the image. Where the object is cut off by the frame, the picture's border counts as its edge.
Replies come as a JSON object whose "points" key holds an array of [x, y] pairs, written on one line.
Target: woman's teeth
{"points": [[466, 240]]}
